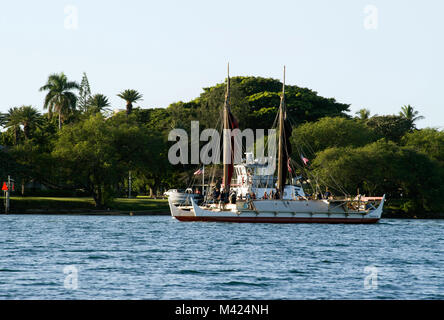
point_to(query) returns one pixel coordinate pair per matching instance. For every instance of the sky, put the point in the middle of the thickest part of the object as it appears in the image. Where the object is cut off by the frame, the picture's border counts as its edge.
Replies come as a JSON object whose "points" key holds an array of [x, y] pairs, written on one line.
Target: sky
{"points": [[378, 55]]}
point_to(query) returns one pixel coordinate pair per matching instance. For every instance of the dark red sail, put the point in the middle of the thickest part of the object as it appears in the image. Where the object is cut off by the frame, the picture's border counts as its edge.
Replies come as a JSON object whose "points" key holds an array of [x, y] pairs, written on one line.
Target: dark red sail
{"points": [[233, 125]]}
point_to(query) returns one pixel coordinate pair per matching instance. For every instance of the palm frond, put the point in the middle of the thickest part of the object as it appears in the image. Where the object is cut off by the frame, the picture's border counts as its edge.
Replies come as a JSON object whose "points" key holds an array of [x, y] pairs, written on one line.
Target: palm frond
{"points": [[130, 95]]}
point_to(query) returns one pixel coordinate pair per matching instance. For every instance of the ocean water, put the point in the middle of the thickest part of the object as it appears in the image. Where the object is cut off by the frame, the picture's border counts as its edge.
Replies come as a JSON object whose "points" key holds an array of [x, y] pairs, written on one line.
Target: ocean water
{"points": [[157, 257]]}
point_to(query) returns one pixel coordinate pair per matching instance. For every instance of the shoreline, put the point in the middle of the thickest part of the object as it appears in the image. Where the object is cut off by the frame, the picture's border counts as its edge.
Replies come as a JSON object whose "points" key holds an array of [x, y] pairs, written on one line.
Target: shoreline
{"points": [[160, 212], [85, 206], [142, 207], [145, 206], [166, 212]]}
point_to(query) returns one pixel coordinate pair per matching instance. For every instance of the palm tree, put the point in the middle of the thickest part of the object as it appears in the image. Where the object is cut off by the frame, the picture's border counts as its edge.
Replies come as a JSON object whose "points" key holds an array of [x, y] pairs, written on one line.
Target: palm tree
{"points": [[2, 119], [60, 99], [98, 103], [410, 113], [363, 114], [12, 120], [30, 118], [130, 96], [26, 116]]}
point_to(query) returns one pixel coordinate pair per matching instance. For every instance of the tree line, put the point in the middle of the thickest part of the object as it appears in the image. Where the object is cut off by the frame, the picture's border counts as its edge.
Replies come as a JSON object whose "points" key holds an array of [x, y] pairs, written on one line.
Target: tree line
{"points": [[80, 146], [378, 155]]}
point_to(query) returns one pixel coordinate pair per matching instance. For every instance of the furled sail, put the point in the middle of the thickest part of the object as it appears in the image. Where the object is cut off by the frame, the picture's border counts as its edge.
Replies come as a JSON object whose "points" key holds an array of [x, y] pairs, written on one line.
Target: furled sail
{"points": [[230, 123], [233, 125], [287, 148], [284, 143]]}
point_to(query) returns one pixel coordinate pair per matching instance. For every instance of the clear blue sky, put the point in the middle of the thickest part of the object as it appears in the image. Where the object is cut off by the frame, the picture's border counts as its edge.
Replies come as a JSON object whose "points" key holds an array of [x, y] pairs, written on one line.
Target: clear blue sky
{"points": [[169, 50]]}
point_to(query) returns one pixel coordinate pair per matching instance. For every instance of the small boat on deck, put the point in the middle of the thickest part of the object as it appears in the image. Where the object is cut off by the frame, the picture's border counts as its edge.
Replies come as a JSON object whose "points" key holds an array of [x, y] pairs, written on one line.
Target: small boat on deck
{"points": [[182, 197]]}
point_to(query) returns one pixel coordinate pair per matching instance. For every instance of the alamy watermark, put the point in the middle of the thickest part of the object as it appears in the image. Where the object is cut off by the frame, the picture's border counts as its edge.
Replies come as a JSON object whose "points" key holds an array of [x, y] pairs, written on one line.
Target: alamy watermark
{"points": [[71, 281], [71, 21], [371, 18], [371, 279], [210, 153]]}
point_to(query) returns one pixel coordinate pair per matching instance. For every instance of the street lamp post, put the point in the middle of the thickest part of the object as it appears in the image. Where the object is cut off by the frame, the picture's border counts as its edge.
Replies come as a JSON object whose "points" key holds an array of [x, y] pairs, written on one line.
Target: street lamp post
{"points": [[129, 186], [8, 191]]}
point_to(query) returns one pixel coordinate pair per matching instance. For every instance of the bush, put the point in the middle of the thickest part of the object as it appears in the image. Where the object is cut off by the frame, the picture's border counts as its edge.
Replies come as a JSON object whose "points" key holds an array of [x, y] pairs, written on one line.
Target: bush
{"points": [[331, 132]]}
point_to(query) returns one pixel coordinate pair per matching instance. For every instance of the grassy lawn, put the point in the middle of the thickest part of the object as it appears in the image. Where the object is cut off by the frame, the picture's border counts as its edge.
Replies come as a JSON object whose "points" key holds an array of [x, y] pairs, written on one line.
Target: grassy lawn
{"points": [[78, 203], [141, 203]]}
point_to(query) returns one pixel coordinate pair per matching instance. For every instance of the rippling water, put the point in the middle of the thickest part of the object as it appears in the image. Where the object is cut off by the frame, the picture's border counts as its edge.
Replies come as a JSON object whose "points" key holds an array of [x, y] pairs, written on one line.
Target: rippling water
{"points": [[156, 257]]}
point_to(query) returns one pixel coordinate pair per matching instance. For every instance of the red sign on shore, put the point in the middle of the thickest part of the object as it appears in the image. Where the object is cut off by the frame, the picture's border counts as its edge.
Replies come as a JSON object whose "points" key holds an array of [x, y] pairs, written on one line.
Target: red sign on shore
{"points": [[5, 187]]}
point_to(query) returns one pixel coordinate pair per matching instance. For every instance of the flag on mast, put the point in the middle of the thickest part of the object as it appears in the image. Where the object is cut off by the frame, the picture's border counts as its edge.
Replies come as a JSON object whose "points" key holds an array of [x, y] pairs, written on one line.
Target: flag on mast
{"points": [[198, 172], [288, 165], [304, 159]]}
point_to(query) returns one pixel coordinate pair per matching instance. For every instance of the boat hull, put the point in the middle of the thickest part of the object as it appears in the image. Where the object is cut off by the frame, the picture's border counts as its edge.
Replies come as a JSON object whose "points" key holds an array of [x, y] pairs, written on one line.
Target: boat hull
{"points": [[275, 211], [277, 220]]}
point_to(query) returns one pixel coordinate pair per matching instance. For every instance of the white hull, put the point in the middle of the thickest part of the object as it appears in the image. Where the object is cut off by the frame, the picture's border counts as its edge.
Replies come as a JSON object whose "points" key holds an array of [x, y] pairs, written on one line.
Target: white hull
{"points": [[280, 211]]}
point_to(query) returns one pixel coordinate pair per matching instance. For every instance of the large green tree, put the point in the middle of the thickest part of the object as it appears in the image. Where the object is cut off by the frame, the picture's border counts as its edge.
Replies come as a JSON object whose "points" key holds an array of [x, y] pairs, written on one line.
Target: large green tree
{"points": [[429, 141], [9, 167], [383, 167], [255, 103], [36, 164], [327, 132], [390, 127], [60, 99], [97, 154], [157, 119]]}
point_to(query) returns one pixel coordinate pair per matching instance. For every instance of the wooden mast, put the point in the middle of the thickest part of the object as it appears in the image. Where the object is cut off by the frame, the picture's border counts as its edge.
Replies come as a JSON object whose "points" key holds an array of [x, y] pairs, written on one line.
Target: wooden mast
{"points": [[227, 135], [281, 164]]}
